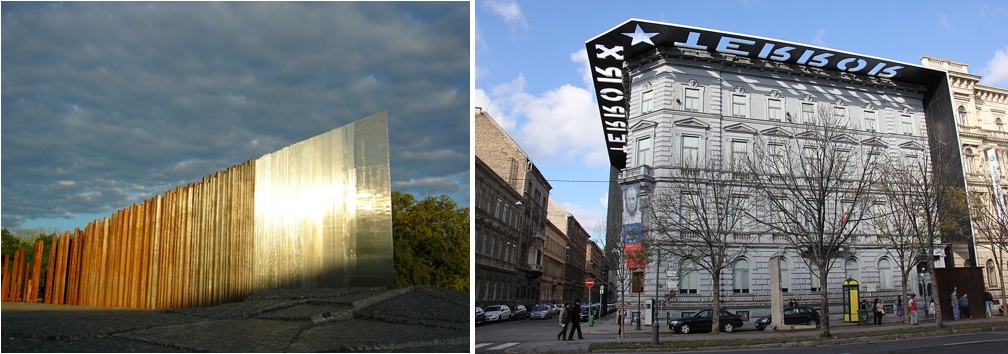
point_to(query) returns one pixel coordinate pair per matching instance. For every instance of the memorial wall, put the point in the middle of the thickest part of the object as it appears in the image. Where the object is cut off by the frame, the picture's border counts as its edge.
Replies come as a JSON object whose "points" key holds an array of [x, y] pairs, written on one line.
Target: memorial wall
{"points": [[315, 214]]}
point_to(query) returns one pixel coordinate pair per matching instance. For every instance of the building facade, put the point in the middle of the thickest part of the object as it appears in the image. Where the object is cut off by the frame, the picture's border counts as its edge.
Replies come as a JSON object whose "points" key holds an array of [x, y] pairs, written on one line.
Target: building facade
{"points": [[595, 269], [553, 283], [980, 119], [514, 237], [708, 96], [574, 252]]}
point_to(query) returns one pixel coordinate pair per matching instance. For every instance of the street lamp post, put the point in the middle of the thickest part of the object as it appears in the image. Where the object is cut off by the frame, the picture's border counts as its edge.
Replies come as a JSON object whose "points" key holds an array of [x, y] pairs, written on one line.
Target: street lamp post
{"points": [[654, 307]]}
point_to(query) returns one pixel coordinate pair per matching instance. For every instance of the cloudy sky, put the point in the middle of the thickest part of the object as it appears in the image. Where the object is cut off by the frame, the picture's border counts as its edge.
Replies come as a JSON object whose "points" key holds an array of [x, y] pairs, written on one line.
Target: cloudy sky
{"points": [[532, 73], [108, 104]]}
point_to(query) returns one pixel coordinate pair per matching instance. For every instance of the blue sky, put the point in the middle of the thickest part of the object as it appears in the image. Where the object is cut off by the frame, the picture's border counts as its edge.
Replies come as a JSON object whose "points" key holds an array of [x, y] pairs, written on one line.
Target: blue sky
{"points": [[108, 104], [532, 74]]}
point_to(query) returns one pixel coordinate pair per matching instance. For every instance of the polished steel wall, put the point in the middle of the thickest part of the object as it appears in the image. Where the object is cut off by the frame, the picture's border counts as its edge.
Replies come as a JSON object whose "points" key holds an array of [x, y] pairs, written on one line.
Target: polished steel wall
{"points": [[314, 214]]}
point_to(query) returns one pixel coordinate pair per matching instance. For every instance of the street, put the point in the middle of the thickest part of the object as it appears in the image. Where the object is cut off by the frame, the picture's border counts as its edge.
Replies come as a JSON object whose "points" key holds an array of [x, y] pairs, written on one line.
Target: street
{"points": [[523, 334]]}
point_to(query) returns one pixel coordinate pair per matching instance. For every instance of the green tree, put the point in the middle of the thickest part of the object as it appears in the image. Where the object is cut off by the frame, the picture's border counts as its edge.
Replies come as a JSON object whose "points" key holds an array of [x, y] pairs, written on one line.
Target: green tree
{"points": [[430, 241]]}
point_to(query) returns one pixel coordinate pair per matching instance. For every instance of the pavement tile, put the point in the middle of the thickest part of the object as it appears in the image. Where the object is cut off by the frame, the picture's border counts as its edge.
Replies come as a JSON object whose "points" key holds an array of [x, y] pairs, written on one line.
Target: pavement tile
{"points": [[246, 335]]}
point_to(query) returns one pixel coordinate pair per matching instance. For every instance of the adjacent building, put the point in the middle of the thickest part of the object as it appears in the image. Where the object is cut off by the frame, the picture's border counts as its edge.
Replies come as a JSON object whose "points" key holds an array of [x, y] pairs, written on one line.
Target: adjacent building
{"points": [[575, 251], [511, 201], [980, 119]]}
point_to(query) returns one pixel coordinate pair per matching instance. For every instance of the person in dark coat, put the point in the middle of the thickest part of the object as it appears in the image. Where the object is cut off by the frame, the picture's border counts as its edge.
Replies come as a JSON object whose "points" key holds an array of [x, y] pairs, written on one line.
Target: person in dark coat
{"points": [[564, 322], [575, 320], [964, 306]]}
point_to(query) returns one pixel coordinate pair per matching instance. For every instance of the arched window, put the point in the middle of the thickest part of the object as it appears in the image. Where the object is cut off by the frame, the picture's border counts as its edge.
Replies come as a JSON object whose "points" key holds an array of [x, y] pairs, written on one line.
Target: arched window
{"points": [[991, 276], [740, 277], [785, 275], [885, 274], [999, 124], [962, 115], [851, 269], [689, 277]]}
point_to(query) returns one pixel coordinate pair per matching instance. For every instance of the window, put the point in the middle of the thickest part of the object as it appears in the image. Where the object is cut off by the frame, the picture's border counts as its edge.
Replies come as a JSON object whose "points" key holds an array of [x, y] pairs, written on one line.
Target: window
{"points": [[808, 113], [740, 277], [970, 162], [962, 115], [991, 275], [809, 159], [739, 152], [647, 101], [885, 274], [840, 113], [692, 100], [739, 106], [869, 120], [690, 150], [644, 151], [774, 156], [785, 274], [814, 279], [999, 124], [907, 124], [775, 110], [851, 269], [688, 277]]}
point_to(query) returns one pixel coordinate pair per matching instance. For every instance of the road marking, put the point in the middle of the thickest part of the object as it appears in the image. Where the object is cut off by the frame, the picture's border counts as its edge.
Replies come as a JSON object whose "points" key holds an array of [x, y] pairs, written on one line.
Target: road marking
{"points": [[505, 345], [482, 345], [976, 342]]}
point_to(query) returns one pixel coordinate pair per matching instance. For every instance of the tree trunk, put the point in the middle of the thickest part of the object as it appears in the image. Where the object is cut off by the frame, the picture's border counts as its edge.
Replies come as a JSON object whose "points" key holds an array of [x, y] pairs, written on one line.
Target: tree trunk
{"points": [[824, 329], [903, 300], [716, 310], [936, 297]]}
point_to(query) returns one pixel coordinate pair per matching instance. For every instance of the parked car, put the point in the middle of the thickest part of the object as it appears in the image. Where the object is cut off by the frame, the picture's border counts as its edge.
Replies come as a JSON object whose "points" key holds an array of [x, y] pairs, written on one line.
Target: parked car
{"points": [[555, 309], [584, 313], [542, 312], [495, 313], [519, 312], [480, 316], [702, 320], [798, 315]]}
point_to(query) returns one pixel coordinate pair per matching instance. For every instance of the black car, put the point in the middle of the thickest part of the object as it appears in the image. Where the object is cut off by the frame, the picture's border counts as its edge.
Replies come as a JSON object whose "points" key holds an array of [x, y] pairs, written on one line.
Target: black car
{"points": [[798, 315], [480, 316], [701, 322], [584, 313], [519, 312]]}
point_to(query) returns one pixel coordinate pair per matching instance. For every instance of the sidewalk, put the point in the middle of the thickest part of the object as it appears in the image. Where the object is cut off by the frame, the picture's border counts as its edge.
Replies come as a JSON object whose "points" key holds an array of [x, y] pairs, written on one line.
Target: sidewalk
{"points": [[606, 329]]}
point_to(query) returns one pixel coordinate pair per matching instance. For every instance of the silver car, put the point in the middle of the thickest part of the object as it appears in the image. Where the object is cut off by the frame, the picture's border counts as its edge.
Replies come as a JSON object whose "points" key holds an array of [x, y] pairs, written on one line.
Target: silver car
{"points": [[495, 313], [541, 312]]}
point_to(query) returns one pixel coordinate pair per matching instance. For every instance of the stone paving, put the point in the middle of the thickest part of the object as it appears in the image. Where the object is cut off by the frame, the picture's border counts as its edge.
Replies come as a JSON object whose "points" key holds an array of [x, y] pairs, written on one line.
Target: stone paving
{"points": [[408, 319]]}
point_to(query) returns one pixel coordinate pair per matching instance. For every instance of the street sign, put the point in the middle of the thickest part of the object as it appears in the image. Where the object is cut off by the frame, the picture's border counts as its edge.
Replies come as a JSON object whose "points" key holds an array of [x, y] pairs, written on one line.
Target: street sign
{"points": [[589, 282]]}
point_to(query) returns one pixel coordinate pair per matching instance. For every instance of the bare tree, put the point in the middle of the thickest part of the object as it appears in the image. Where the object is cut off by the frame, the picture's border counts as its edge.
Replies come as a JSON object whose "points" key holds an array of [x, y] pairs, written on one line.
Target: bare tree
{"points": [[927, 197], [700, 218], [894, 225], [987, 208], [816, 183]]}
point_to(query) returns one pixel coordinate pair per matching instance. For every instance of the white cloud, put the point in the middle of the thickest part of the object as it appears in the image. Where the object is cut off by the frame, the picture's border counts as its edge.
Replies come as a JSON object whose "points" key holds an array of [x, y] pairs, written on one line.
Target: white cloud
{"points": [[581, 58], [944, 21], [509, 11], [996, 70], [592, 220], [820, 37]]}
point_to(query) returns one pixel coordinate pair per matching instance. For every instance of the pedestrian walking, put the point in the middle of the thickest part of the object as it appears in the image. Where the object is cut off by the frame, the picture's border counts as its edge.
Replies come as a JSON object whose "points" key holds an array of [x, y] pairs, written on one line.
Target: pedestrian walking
{"points": [[878, 310], [563, 321], [912, 309], [964, 312], [988, 303], [575, 320], [954, 302]]}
